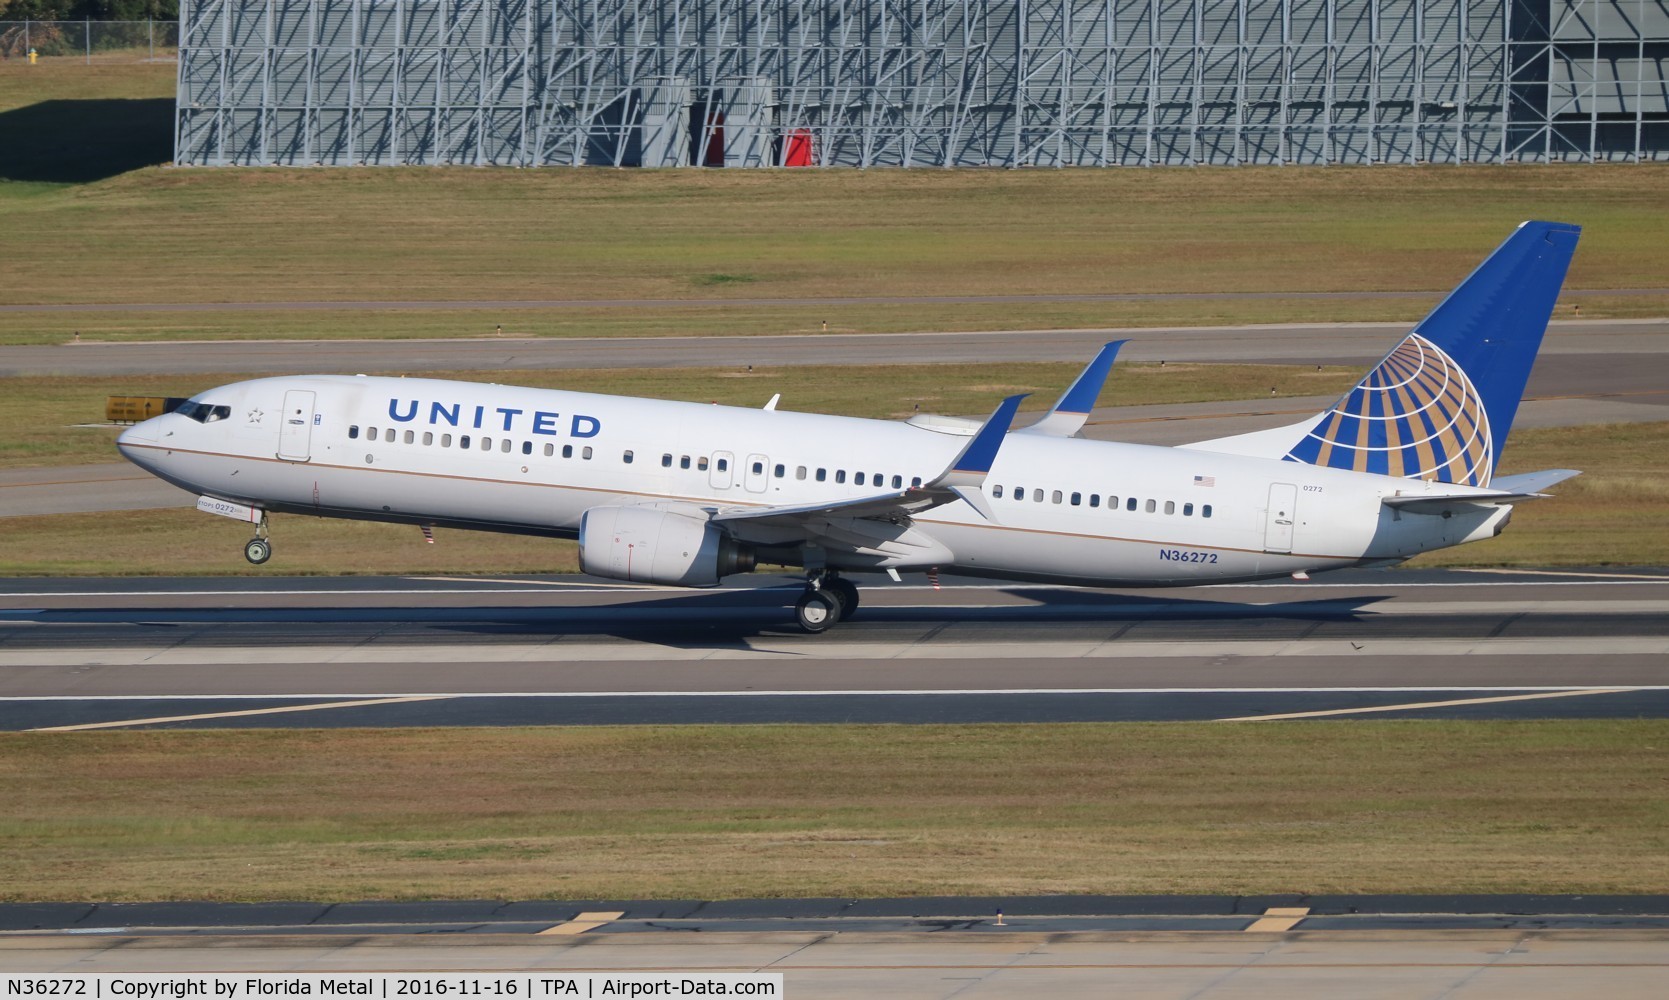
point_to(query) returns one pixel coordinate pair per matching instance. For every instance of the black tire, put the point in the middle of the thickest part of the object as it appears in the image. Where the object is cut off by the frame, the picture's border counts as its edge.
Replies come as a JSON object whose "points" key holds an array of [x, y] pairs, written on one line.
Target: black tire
{"points": [[816, 611], [847, 593], [258, 550]]}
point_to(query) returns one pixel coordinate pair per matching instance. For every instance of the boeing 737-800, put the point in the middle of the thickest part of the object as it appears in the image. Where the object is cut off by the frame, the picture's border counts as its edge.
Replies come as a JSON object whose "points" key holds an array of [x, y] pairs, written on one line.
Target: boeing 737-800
{"points": [[686, 493]]}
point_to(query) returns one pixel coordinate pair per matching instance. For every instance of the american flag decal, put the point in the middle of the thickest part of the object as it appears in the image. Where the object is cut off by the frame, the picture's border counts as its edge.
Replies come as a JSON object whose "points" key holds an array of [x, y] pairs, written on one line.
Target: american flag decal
{"points": [[1205, 480]]}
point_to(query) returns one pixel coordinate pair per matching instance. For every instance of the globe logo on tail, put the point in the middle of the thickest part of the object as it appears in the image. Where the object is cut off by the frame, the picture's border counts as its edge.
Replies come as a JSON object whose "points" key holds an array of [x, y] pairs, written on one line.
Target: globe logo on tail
{"points": [[1416, 415]]}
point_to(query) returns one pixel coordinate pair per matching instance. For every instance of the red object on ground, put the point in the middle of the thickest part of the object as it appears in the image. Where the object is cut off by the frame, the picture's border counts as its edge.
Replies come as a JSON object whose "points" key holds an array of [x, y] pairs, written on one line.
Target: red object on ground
{"points": [[797, 151]]}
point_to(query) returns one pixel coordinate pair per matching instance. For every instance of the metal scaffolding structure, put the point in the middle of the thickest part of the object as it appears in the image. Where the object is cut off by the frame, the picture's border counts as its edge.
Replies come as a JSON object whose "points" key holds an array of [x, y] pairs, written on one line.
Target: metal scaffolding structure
{"points": [[667, 83]]}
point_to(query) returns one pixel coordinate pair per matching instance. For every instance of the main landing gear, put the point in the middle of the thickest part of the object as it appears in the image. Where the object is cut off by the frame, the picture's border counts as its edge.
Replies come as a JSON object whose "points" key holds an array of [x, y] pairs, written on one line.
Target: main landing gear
{"points": [[259, 549], [828, 599]]}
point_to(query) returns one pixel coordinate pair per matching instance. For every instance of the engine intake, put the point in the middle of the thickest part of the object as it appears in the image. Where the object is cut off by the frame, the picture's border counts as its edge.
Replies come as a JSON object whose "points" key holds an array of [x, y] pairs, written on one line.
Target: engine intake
{"points": [[650, 545]]}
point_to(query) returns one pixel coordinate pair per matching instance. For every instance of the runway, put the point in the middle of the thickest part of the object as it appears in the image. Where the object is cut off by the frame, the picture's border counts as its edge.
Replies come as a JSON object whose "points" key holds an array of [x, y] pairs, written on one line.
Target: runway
{"points": [[571, 651]]}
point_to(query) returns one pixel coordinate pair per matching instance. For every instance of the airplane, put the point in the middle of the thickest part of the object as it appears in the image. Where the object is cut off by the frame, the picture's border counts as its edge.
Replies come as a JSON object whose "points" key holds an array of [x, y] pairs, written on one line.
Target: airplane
{"points": [[683, 493]]}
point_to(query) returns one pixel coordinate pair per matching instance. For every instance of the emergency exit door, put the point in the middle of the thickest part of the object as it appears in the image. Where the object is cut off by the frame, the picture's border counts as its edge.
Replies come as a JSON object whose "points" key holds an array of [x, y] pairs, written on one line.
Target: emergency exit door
{"points": [[295, 426]]}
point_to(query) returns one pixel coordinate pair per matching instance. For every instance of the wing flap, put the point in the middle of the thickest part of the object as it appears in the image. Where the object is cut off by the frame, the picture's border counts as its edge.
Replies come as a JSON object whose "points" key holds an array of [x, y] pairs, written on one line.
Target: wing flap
{"points": [[961, 481]]}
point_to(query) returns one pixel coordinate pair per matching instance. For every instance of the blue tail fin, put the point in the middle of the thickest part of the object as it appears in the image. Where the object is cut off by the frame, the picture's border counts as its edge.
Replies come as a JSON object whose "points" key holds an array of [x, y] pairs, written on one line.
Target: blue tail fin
{"points": [[1439, 406]]}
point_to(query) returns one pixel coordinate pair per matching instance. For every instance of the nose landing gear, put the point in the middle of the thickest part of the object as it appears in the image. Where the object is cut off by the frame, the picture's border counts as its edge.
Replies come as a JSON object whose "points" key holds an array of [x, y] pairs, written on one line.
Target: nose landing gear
{"points": [[828, 599], [259, 549]]}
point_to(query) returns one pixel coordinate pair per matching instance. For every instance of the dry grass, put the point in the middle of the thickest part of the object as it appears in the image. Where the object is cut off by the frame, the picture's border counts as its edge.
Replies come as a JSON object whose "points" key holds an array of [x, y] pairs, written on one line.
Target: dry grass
{"points": [[838, 811]]}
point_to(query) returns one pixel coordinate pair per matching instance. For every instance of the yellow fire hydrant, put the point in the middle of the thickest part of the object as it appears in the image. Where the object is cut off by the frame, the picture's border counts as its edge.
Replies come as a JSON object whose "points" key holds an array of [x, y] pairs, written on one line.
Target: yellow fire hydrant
{"points": [[31, 57]]}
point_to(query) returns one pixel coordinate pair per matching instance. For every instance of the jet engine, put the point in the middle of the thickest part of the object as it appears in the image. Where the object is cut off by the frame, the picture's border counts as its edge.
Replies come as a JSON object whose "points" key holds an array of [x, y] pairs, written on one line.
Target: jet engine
{"points": [[653, 545]]}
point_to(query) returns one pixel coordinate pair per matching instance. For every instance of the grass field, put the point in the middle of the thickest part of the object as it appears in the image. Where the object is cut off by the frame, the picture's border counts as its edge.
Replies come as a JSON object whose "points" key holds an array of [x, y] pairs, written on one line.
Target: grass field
{"points": [[207, 236], [1616, 513], [699, 812]]}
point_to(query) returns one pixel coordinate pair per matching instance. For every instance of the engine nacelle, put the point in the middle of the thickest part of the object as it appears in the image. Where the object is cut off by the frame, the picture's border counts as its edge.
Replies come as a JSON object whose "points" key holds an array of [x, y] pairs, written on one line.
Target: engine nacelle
{"points": [[650, 545]]}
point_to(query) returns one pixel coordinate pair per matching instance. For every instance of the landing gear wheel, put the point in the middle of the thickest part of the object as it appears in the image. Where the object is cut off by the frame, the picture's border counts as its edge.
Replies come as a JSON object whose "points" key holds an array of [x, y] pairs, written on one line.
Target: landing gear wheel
{"points": [[846, 592], [257, 550], [816, 611]]}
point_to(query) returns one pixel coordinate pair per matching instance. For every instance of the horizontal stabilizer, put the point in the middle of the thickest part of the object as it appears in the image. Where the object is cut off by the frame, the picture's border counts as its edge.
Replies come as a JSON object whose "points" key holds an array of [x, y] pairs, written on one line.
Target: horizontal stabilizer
{"points": [[1511, 490], [1072, 410]]}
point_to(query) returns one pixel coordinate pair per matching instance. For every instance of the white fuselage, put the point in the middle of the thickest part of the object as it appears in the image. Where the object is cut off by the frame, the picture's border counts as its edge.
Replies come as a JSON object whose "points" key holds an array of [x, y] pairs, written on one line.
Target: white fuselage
{"points": [[1063, 509]]}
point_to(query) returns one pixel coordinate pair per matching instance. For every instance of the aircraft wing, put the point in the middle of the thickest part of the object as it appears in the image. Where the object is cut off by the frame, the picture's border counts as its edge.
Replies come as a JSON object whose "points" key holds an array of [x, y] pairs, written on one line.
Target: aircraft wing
{"points": [[961, 481], [1072, 409], [1507, 490]]}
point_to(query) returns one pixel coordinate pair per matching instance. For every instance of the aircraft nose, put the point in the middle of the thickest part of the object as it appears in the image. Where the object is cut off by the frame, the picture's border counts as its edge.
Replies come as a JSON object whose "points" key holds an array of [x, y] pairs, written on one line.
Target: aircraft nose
{"points": [[131, 442]]}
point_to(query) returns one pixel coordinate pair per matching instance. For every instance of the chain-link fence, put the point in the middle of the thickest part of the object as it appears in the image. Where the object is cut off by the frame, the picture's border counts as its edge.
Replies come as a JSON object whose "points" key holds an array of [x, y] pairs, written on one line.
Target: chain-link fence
{"points": [[91, 41]]}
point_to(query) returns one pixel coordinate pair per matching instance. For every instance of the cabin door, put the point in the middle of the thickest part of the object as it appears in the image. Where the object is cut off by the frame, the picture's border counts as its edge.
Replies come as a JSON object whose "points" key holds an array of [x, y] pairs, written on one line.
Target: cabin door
{"points": [[295, 426], [1282, 513]]}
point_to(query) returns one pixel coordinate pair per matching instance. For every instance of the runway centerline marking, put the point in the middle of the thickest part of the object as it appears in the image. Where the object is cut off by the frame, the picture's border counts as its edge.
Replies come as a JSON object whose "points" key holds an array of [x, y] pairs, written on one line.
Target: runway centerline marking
{"points": [[590, 920], [1426, 704], [1279, 918], [243, 712]]}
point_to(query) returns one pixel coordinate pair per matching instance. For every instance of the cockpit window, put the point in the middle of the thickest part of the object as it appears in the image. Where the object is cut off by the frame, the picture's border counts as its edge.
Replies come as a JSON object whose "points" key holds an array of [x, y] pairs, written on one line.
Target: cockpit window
{"points": [[203, 413]]}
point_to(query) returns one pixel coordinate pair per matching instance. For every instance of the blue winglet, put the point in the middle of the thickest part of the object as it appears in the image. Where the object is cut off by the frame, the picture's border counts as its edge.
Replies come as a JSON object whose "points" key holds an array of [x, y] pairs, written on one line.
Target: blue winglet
{"points": [[1080, 397], [977, 458], [1072, 410]]}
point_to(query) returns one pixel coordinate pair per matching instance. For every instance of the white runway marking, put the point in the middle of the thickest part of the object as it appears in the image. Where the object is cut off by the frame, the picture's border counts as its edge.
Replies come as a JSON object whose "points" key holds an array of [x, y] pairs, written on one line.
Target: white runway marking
{"points": [[229, 715], [565, 651], [533, 587], [1428, 704], [391, 696]]}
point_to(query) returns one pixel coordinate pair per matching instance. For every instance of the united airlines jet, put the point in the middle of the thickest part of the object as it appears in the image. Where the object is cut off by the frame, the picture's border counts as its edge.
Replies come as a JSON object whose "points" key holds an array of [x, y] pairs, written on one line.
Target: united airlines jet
{"points": [[686, 493]]}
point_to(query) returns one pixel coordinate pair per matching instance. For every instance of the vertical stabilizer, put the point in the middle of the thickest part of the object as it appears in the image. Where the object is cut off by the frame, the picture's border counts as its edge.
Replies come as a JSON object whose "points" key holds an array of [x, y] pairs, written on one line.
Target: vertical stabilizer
{"points": [[1439, 406]]}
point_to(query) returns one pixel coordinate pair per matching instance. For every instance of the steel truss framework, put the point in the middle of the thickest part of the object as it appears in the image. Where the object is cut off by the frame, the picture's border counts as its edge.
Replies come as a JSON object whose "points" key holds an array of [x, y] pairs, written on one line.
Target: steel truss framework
{"points": [[921, 82]]}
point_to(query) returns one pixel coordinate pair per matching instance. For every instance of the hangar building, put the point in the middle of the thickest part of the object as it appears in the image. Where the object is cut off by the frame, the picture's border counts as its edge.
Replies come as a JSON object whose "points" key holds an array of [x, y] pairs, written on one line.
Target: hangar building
{"points": [[927, 83]]}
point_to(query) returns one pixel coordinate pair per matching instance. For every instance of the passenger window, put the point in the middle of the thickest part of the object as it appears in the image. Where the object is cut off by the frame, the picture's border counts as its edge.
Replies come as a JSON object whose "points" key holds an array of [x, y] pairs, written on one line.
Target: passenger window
{"points": [[897, 482], [822, 475], [1152, 506], [780, 471], [505, 445], [1187, 510], [1130, 504], [486, 444], [997, 491], [915, 482], [463, 441], [1205, 511], [527, 447], [626, 456], [759, 468], [428, 438], [724, 465], [857, 479], [1170, 506], [1019, 493], [585, 453], [1095, 499], [411, 437], [353, 432], [666, 461], [446, 440], [567, 451], [550, 449], [1039, 495], [800, 472], [370, 433], [388, 435], [840, 475], [701, 464], [1077, 498]]}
